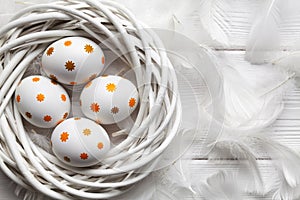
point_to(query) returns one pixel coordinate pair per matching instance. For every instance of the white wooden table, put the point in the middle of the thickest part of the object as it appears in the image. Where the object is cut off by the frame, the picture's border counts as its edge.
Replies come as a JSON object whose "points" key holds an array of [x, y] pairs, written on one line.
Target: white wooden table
{"points": [[286, 128]]}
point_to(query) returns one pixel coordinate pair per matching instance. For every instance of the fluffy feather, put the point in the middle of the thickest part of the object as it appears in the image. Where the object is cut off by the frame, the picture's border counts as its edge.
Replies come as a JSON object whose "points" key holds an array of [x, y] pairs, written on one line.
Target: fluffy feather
{"points": [[287, 163], [289, 62], [253, 100], [214, 18], [171, 179], [240, 146], [221, 185], [204, 21], [274, 22]]}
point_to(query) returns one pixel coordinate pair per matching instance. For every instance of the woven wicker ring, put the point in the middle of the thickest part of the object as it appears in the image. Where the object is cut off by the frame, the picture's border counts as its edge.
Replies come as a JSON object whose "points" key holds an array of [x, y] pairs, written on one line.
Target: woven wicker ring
{"points": [[25, 37]]}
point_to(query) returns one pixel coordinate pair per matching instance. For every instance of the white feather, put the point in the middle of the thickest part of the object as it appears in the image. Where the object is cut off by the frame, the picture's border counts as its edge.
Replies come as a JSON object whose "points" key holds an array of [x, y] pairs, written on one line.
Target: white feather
{"points": [[171, 179], [274, 22], [221, 185], [240, 145], [289, 62], [253, 94], [204, 21], [287, 163], [214, 18]]}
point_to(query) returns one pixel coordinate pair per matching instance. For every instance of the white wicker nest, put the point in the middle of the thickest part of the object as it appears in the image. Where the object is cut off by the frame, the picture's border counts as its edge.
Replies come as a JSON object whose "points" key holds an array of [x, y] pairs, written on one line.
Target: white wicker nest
{"points": [[25, 37]]}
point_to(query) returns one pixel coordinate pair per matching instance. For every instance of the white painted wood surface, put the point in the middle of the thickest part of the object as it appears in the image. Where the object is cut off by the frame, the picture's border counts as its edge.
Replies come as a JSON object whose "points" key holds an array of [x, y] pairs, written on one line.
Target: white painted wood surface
{"points": [[286, 128]]}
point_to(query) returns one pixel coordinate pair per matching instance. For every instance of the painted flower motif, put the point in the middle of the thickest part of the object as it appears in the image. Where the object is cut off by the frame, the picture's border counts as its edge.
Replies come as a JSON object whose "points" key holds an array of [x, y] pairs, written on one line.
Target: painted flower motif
{"points": [[73, 83], [84, 156], [63, 97], [65, 115], [88, 48], [50, 51], [70, 65], [47, 118], [53, 79], [100, 145], [35, 79], [18, 98], [87, 132], [132, 102], [68, 43], [115, 110], [77, 118], [64, 136], [103, 60], [95, 107], [28, 114], [40, 97], [67, 159], [111, 87]]}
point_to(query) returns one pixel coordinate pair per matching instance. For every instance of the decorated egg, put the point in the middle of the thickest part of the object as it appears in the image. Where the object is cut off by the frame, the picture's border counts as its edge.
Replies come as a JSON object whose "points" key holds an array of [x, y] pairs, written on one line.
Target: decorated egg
{"points": [[73, 60], [42, 102], [80, 142], [109, 99]]}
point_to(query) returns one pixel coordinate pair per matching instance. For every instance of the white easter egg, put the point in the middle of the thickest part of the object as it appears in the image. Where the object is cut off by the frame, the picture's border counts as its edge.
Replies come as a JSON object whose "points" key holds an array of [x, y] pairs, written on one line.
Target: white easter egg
{"points": [[109, 99], [73, 60], [42, 102], [80, 142]]}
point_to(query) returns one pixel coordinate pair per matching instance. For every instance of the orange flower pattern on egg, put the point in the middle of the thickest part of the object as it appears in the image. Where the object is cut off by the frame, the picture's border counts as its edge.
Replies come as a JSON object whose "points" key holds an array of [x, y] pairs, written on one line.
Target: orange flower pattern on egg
{"points": [[18, 98], [47, 118], [70, 65], [110, 99], [88, 48], [28, 114], [68, 43], [95, 107], [64, 136], [85, 60], [39, 98], [100, 145], [50, 51], [84, 156], [132, 102], [87, 132], [82, 141], [114, 110], [36, 79], [111, 87], [63, 97]]}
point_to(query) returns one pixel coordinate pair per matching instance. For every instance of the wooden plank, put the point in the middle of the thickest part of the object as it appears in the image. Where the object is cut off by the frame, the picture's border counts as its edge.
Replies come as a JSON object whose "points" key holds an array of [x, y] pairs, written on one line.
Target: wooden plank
{"points": [[201, 170]]}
